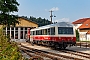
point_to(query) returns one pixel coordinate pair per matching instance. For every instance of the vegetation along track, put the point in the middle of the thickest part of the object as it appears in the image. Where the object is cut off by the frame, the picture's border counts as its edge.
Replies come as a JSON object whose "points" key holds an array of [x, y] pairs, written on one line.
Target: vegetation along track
{"points": [[46, 54]]}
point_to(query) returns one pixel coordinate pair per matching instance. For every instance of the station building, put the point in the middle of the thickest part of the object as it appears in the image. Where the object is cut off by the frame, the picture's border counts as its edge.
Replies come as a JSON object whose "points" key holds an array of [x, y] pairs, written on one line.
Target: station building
{"points": [[83, 27], [19, 32]]}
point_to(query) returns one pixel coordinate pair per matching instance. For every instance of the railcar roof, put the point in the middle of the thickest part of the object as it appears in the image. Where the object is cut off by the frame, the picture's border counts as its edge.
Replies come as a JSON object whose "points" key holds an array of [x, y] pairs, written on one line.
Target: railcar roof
{"points": [[59, 24]]}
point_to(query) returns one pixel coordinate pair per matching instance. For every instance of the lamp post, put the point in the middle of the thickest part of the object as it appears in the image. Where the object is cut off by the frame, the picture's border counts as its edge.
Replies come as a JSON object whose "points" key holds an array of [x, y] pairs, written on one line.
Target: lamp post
{"points": [[51, 15]]}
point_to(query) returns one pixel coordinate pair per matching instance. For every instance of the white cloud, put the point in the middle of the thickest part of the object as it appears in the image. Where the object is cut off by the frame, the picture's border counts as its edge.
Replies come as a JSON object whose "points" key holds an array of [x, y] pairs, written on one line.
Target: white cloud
{"points": [[63, 20], [54, 9], [46, 9]]}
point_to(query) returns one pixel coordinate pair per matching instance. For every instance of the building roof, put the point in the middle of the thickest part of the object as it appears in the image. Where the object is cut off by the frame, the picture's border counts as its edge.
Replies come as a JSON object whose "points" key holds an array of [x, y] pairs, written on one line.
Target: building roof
{"points": [[86, 24], [80, 21], [88, 32], [28, 20]]}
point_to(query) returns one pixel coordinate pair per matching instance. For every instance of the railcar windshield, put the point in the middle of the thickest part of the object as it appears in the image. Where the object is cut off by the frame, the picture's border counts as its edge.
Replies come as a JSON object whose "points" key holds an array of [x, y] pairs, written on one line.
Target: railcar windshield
{"points": [[65, 30]]}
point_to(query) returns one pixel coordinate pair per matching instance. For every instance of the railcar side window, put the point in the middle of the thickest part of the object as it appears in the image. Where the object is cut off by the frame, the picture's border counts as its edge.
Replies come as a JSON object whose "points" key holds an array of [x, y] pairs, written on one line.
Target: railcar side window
{"points": [[53, 31], [45, 31], [65, 30], [39, 32], [33, 32], [48, 33]]}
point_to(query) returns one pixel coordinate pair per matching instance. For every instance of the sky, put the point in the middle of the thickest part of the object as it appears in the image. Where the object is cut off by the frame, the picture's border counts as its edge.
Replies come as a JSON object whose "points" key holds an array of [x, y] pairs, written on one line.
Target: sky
{"points": [[64, 10]]}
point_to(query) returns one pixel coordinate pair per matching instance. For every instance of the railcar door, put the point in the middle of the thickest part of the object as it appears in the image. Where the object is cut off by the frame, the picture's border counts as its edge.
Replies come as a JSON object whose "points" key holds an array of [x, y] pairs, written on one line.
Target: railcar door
{"points": [[31, 36]]}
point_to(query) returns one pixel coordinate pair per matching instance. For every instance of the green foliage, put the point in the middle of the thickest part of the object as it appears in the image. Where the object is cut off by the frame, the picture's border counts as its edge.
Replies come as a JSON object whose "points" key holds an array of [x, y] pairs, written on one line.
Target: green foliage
{"points": [[6, 8], [9, 50], [77, 35], [39, 21]]}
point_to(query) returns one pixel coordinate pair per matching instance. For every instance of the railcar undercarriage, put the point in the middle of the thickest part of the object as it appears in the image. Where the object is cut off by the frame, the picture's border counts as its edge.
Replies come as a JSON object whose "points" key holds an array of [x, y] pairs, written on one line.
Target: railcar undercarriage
{"points": [[59, 45]]}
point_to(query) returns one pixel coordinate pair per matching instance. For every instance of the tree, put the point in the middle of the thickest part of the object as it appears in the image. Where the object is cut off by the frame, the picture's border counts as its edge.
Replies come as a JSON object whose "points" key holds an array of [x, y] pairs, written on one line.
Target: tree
{"points": [[39, 20], [7, 7], [77, 35]]}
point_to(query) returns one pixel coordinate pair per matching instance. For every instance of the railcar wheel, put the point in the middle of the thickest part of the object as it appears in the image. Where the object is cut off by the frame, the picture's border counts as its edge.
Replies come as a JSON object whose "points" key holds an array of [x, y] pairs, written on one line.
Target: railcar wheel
{"points": [[57, 46], [64, 45], [52, 44]]}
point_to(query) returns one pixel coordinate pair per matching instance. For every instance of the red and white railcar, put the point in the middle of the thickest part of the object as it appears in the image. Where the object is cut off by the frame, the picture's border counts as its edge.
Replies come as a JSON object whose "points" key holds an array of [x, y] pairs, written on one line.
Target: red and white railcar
{"points": [[58, 35]]}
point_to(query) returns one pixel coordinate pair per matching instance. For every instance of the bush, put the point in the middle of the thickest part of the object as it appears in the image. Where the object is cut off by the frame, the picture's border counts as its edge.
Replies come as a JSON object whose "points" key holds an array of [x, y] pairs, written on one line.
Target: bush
{"points": [[8, 50], [77, 35]]}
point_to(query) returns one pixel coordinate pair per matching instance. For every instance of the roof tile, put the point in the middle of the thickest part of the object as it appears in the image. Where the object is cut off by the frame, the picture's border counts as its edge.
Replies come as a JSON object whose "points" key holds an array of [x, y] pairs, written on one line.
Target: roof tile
{"points": [[80, 21], [86, 24]]}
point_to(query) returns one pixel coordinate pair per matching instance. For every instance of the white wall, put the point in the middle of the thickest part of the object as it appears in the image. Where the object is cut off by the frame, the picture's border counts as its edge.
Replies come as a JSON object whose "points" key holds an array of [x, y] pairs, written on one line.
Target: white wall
{"points": [[88, 37], [77, 26], [82, 36]]}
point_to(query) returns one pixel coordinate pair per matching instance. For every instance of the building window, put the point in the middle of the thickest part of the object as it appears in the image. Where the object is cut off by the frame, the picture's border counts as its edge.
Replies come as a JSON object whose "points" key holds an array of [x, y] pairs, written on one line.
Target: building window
{"points": [[16, 33], [12, 34], [21, 35], [12, 28]]}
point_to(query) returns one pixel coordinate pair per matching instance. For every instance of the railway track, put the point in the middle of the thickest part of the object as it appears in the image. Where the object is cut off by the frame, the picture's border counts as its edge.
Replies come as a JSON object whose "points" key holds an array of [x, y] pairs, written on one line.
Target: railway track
{"points": [[77, 53], [32, 56], [83, 44], [49, 55]]}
